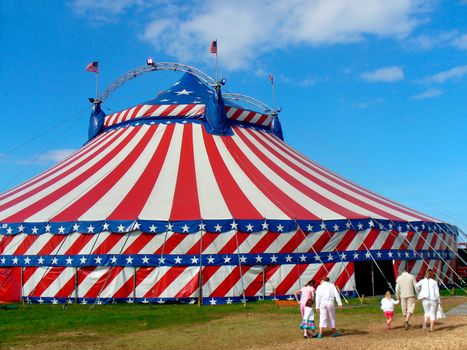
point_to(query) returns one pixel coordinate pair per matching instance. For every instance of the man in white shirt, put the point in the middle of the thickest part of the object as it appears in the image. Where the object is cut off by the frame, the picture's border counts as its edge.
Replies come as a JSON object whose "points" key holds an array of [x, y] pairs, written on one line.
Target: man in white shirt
{"points": [[406, 291], [325, 295]]}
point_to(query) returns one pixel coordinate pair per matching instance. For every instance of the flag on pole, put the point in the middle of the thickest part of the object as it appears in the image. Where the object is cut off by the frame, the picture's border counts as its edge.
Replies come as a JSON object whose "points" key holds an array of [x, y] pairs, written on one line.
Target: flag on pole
{"points": [[213, 48], [93, 67], [271, 78]]}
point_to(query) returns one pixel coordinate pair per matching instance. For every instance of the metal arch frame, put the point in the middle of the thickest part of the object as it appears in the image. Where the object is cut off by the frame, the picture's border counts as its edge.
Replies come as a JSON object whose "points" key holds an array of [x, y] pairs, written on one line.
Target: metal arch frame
{"points": [[156, 66], [250, 100]]}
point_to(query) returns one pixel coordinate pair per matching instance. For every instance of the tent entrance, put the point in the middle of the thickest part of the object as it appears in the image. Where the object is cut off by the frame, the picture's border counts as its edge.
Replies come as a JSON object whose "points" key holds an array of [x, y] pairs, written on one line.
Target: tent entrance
{"points": [[370, 281]]}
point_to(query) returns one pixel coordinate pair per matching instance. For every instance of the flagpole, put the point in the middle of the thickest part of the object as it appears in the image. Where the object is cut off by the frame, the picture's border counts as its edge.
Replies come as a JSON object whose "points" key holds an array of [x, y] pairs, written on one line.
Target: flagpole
{"points": [[217, 63], [271, 77], [97, 86]]}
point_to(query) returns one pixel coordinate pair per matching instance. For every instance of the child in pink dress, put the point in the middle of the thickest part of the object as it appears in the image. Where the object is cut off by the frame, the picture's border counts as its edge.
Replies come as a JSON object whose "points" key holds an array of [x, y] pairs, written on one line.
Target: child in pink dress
{"points": [[306, 292]]}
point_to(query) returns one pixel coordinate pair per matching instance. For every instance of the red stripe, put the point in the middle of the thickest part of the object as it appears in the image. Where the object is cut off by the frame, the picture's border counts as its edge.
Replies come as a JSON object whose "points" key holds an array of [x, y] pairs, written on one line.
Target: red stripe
{"points": [[139, 243], [27, 273], [79, 244], [345, 276], [185, 205], [67, 289], [93, 144], [167, 279], [4, 242], [108, 243], [236, 114], [135, 112], [269, 189], [255, 286], [171, 243], [106, 183], [60, 192], [130, 207], [168, 110], [46, 280], [52, 243], [186, 109], [293, 243], [288, 281], [269, 272], [82, 157], [150, 111], [127, 288], [266, 240], [262, 119], [239, 205], [326, 185], [189, 288], [369, 239], [249, 117], [389, 242], [229, 281], [348, 184], [25, 244], [102, 282]]}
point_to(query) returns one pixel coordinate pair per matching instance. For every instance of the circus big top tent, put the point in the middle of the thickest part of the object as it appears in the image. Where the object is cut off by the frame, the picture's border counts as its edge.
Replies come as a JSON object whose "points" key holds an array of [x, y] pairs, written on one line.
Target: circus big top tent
{"points": [[193, 196]]}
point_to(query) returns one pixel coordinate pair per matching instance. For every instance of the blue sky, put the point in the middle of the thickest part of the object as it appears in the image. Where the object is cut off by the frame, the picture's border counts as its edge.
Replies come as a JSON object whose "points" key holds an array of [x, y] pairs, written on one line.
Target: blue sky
{"points": [[374, 90]]}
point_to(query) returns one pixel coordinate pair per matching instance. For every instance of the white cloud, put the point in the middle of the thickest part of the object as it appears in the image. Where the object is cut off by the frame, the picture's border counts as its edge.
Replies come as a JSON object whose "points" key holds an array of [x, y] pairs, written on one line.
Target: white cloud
{"points": [[104, 7], [442, 39], [430, 93], [455, 73], [367, 104], [384, 74], [55, 155], [246, 29]]}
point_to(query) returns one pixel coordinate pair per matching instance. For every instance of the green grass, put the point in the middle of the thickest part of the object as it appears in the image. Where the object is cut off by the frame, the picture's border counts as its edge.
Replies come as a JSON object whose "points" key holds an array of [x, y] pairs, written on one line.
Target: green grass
{"points": [[32, 325]]}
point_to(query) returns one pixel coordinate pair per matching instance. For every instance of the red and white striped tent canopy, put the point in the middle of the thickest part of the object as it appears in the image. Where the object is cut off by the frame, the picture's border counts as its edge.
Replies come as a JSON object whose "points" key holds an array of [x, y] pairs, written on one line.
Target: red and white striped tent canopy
{"points": [[158, 207]]}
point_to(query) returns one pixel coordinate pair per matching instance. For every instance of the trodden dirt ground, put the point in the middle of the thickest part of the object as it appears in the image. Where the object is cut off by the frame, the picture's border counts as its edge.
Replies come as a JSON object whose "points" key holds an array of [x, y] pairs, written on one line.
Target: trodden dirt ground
{"points": [[265, 327]]}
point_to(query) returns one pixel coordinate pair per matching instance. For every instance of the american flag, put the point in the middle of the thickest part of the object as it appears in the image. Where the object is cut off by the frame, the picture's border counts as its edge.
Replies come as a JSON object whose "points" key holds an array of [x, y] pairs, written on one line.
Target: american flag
{"points": [[93, 67], [271, 78], [213, 48]]}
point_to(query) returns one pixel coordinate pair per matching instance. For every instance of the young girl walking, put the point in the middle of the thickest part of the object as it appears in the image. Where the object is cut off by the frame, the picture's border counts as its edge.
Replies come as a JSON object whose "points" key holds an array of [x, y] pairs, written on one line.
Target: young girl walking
{"points": [[308, 322], [387, 305]]}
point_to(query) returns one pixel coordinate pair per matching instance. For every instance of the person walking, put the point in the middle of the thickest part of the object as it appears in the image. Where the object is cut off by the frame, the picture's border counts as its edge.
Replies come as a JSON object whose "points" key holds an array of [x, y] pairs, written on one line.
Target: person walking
{"points": [[325, 295], [387, 305], [429, 295], [306, 292], [406, 291]]}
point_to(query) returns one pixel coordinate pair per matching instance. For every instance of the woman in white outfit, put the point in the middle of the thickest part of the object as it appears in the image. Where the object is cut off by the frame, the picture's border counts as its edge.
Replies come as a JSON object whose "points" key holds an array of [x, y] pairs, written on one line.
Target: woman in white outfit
{"points": [[325, 295], [429, 295]]}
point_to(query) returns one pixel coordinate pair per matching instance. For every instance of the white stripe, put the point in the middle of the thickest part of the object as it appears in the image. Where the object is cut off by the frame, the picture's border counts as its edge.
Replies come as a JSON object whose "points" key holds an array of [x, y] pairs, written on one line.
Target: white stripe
{"points": [[63, 278], [219, 243], [276, 279], [264, 206], [103, 207], [180, 282], [159, 110], [196, 110], [130, 113], [49, 175], [117, 282], [147, 284], [153, 245], [303, 200], [30, 285], [255, 118], [11, 248], [159, 203], [336, 185], [94, 243], [267, 121], [211, 202], [314, 165], [60, 182], [91, 279], [243, 115], [308, 183], [175, 112], [231, 112], [38, 244], [142, 111], [87, 185]]}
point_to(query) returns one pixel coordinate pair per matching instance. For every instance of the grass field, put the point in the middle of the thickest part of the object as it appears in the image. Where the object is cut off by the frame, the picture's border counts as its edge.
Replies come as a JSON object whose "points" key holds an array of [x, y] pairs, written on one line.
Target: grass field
{"points": [[259, 325]]}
